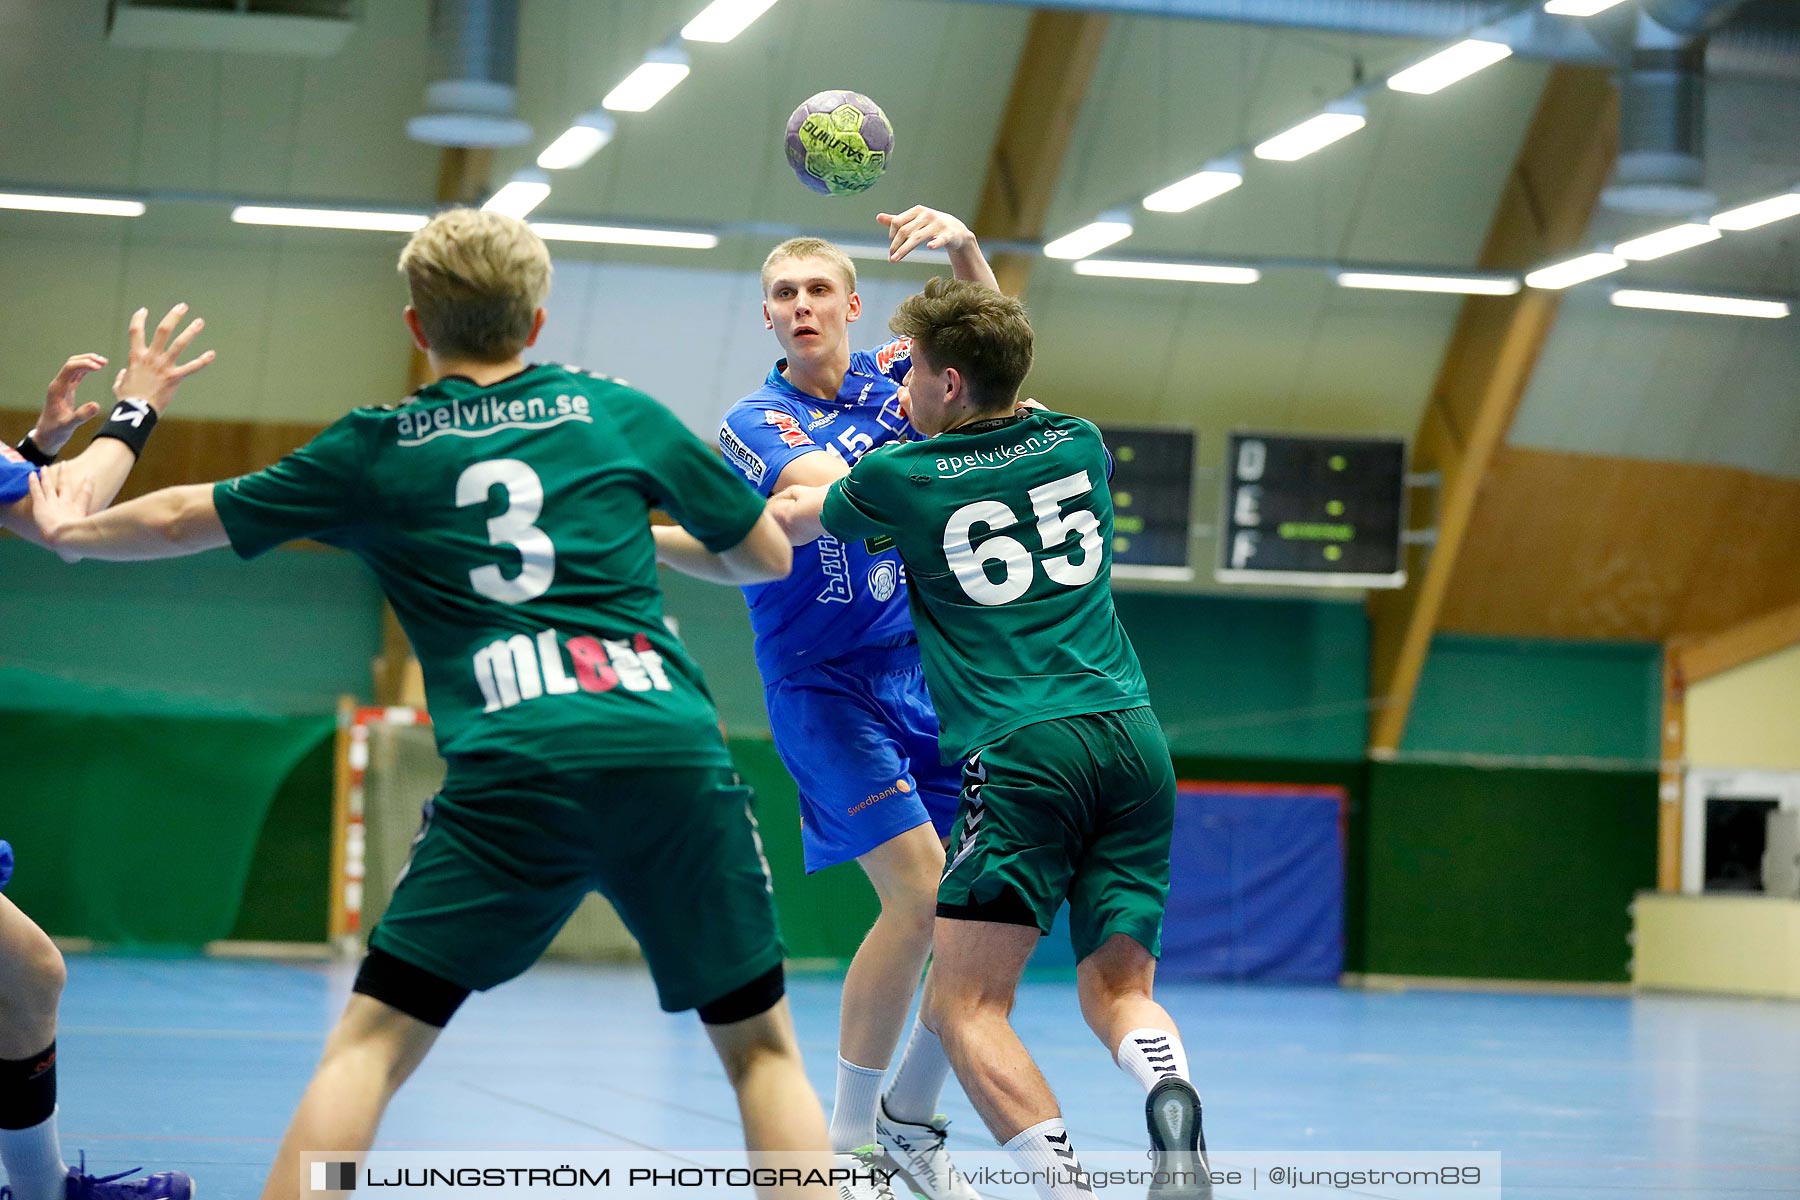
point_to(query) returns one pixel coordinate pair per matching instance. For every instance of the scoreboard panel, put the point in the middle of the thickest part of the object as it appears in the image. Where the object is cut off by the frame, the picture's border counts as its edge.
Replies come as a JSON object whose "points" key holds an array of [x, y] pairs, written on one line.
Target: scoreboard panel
{"points": [[1153, 497], [1318, 511]]}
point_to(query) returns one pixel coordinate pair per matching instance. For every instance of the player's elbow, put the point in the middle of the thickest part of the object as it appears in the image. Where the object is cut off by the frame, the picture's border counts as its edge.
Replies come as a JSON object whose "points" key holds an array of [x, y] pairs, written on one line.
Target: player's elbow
{"points": [[765, 555]]}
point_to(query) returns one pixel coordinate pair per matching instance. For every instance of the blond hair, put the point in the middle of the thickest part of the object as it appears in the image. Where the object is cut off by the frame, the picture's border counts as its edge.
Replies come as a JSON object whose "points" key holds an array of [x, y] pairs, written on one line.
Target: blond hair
{"points": [[477, 281], [808, 247], [983, 333]]}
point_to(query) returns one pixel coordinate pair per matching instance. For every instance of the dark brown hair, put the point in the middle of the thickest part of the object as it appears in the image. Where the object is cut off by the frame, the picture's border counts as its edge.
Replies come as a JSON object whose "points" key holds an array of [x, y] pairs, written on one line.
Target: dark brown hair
{"points": [[983, 333]]}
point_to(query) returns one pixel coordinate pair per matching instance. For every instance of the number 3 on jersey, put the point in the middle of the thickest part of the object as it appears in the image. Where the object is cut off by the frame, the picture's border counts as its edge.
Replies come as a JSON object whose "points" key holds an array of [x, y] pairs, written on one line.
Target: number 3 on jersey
{"points": [[970, 562], [513, 527]]}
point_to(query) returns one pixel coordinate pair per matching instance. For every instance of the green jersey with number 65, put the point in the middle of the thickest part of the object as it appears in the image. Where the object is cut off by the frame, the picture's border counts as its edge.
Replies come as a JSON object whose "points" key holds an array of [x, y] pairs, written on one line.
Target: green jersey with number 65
{"points": [[509, 527], [1006, 529]]}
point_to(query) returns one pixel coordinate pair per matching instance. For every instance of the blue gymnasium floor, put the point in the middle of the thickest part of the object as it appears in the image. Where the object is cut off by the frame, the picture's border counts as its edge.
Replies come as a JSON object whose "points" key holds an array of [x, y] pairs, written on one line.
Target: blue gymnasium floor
{"points": [[196, 1064]]}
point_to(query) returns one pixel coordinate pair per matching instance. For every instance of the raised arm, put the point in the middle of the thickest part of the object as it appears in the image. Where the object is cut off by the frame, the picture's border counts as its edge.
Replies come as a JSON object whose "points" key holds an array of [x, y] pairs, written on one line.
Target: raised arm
{"points": [[936, 230], [143, 389], [153, 371]]}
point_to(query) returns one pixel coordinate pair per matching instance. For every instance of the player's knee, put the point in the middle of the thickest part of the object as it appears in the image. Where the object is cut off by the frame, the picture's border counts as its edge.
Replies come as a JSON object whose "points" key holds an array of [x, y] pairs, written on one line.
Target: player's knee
{"points": [[914, 911], [40, 975]]}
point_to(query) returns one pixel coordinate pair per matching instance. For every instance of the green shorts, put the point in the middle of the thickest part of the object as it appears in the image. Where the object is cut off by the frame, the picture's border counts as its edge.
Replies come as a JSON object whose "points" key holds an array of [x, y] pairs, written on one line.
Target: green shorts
{"points": [[497, 867], [1078, 808]]}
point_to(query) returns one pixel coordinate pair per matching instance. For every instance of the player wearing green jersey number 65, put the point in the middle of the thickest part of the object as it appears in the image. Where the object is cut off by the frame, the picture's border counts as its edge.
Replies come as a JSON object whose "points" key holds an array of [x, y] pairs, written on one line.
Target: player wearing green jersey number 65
{"points": [[505, 511], [1004, 521]]}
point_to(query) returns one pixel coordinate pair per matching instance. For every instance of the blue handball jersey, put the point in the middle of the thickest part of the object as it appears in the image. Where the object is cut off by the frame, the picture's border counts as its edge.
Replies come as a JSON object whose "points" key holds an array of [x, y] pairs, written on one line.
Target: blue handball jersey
{"points": [[15, 475], [839, 597]]}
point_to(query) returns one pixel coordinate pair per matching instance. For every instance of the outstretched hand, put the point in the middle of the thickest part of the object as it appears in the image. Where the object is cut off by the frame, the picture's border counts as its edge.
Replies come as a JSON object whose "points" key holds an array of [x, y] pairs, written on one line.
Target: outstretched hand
{"points": [[61, 417], [153, 370], [55, 506], [918, 226]]}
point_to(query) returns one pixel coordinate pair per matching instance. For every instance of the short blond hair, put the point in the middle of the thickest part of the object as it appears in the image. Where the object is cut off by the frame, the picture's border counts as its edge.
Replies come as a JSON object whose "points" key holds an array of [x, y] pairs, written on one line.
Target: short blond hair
{"points": [[477, 280], [983, 333], [808, 247]]}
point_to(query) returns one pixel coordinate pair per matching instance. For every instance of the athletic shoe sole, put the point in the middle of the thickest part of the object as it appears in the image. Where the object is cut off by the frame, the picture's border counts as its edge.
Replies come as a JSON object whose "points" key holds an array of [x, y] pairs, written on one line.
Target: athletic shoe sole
{"points": [[1172, 1112]]}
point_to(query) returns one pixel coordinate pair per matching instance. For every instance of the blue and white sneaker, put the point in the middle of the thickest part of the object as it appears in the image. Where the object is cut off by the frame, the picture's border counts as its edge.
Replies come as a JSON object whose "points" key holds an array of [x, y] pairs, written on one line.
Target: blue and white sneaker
{"points": [[164, 1185]]}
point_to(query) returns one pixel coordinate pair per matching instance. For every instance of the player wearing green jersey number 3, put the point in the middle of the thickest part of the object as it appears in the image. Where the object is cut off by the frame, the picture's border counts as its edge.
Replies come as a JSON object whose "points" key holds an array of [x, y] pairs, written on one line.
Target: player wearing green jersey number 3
{"points": [[505, 511], [1004, 521]]}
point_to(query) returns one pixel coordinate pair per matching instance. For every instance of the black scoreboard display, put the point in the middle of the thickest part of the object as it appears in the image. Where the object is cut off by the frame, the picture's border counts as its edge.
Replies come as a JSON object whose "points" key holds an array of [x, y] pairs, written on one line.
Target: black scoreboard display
{"points": [[1321, 511], [1152, 495]]}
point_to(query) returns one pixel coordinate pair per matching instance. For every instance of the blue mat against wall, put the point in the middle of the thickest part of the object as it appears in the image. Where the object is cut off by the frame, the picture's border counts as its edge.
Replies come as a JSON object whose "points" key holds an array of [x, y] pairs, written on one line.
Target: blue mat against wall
{"points": [[1256, 883]]}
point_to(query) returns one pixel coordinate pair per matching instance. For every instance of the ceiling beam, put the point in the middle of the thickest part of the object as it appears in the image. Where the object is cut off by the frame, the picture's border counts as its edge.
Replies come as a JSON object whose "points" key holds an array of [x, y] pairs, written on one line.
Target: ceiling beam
{"points": [[1051, 80], [1544, 211], [1699, 657]]}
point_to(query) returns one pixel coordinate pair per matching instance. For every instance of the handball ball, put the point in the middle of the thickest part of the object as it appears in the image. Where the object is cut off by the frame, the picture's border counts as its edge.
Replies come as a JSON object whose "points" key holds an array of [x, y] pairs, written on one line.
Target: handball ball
{"points": [[838, 143]]}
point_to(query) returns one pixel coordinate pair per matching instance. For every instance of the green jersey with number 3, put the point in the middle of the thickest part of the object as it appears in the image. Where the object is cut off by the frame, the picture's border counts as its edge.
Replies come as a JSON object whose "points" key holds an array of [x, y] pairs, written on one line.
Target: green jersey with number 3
{"points": [[1006, 530], [509, 527]]}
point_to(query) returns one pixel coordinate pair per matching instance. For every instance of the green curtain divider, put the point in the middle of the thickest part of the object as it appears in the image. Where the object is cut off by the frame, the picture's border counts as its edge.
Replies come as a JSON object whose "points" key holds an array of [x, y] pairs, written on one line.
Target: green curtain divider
{"points": [[1507, 873], [138, 828]]}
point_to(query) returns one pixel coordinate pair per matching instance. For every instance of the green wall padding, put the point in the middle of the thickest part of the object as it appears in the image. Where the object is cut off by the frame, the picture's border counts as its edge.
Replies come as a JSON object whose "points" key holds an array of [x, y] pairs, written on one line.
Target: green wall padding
{"points": [[1506, 874], [287, 892], [1243, 678], [139, 828], [287, 633], [1532, 698]]}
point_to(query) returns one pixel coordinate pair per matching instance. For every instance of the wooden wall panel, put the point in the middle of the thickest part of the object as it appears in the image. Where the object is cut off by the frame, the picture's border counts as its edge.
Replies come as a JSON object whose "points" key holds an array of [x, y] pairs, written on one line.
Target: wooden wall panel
{"points": [[187, 451], [1579, 546]]}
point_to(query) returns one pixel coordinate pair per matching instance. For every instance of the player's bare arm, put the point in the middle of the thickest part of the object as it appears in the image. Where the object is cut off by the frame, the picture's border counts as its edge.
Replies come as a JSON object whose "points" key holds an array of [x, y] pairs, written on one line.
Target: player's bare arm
{"points": [[921, 226], [143, 389], [797, 509], [61, 416], [762, 557], [171, 523]]}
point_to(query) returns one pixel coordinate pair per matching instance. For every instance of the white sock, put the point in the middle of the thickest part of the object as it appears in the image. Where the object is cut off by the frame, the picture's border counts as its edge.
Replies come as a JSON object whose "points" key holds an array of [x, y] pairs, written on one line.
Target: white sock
{"points": [[1152, 1055], [1045, 1152], [913, 1095], [33, 1159], [853, 1109]]}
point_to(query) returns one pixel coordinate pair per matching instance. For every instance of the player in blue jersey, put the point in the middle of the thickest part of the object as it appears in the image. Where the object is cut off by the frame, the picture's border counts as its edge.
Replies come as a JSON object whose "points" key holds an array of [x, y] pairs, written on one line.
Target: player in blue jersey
{"points": [[847, 702], [31, 968]]}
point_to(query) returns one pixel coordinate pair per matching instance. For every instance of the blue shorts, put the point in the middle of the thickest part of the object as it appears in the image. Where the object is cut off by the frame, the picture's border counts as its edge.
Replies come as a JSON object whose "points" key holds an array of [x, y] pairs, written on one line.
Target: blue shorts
{"points": [[860, 738], [6, 864]]}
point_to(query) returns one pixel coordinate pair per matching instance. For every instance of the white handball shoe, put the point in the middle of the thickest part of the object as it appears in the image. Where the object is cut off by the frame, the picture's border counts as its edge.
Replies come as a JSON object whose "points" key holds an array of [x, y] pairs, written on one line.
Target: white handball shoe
{"points": [[873, 1173], [918, 1150]]}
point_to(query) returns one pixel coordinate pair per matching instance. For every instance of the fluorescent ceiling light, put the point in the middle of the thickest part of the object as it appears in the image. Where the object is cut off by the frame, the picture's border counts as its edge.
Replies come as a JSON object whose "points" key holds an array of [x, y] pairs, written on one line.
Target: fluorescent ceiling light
{"points": [[654, 78], [1395, 281], [1219, 177], [521, 194], [578, 143], [1763, 212], [1339, 120], [1575, 270], [1666, 242], [1448, 66], [1579, 8], [87, 206], [1091, 238], [1724, 306], [1174, 272], [328, 218], [723, 20], [624, 235]]}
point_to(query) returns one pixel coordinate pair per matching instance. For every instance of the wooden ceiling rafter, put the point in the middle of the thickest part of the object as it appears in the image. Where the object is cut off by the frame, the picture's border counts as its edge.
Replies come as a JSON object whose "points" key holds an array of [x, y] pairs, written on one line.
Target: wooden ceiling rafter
{"points": [[1544, 211], [1055, 67]]}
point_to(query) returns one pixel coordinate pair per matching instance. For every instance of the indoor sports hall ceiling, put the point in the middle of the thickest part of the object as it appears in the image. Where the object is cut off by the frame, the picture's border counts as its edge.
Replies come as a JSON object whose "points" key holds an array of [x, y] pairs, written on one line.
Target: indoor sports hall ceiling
{"points": [[306, 316]]}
